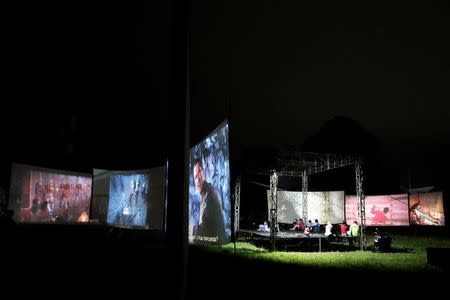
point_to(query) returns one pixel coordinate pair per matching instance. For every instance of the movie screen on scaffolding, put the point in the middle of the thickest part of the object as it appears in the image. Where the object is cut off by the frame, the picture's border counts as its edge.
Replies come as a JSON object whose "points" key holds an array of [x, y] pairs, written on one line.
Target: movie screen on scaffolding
{"points": [[323, 206], [382, 210]]}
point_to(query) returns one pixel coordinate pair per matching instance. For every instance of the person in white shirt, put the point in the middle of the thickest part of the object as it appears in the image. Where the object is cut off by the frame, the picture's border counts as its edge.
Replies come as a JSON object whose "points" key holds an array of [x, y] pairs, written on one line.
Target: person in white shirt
{"points": [[328, 228], [264, 227]]}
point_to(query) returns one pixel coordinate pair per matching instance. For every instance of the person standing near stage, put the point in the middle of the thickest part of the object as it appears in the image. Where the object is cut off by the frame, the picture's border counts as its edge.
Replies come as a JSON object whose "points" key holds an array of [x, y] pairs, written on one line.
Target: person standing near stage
{"points": [[328, 228], [211, 226]]}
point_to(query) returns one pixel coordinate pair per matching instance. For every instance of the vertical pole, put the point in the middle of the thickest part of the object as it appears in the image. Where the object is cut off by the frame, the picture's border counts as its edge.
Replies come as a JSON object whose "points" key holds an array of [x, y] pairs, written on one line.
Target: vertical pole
{"points": [[361, 203], [178, 146], [237, 205], [305, 197], [273, 208]]}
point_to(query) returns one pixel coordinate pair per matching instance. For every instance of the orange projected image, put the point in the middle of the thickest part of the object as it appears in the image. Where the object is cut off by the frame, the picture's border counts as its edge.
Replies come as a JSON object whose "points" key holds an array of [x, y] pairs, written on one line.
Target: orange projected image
{"points": [[383, 210], [427, 209]]}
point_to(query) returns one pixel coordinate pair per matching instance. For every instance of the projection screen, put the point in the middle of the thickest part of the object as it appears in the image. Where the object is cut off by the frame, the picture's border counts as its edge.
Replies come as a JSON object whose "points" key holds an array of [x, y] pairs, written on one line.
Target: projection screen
{"points": [[39, 195], [324, 206], [427, 209], [209, 189], [130, 199], [383, 210]]}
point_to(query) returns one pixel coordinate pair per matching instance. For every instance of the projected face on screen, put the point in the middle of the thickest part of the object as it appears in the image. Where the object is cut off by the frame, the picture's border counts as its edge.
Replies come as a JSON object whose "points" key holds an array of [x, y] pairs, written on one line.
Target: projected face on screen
{"points": [[323, 206], [427, 209], [128, 200], [39, 196], [386, 210], [209, 190]]}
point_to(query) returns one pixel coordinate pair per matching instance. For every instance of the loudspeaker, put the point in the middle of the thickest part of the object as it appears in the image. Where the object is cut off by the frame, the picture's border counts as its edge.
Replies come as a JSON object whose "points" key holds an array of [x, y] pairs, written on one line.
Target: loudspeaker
{"points": [[438, 256]]}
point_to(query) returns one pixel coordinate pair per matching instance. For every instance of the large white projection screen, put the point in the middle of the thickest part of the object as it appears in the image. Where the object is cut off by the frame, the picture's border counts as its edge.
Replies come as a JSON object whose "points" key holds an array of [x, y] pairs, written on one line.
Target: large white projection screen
{"points": [[324, 206]]}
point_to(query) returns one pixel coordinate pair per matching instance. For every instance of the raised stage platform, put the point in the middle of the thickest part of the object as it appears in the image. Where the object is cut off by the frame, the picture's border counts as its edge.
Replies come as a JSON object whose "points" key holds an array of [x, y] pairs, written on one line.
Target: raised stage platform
{"points": [[283, 234], [295, 240]]}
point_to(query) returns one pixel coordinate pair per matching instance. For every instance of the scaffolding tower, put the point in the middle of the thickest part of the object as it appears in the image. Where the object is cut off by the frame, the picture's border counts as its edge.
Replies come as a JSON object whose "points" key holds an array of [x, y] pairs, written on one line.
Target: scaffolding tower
{"points": [[303, 164], [237, 204], [273, 209], [361, 203]]}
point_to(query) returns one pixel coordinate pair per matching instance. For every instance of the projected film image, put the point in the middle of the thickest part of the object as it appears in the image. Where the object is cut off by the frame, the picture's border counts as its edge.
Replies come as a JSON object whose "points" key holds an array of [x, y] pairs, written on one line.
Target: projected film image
{"points": [[384, 210], [44, 196], [427, 209], [209, 189], [323, 206], [128, 200], [134, 198]]}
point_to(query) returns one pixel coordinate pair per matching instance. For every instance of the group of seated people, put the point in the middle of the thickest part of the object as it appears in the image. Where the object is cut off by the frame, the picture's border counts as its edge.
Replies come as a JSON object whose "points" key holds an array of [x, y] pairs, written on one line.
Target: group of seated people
{"points": [[310, 227], [353, 230], [314, 227]]}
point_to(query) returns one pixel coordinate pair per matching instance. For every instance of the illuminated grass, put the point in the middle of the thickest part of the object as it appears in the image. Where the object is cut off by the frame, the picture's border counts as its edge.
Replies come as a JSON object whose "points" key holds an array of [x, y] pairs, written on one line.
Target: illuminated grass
{"points": [[409, 255]]}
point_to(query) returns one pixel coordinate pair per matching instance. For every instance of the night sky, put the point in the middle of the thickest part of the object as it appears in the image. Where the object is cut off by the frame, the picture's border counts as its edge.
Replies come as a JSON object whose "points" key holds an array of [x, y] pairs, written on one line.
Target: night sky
{"points": [[279, 71], [289, 68]]}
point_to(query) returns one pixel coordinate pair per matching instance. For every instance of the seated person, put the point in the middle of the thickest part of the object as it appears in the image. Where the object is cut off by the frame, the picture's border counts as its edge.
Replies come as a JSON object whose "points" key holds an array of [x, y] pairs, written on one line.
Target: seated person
{"points": [[344, 228], [307, 231], [264, 227], [381, 241], [316, 226], [328, 228], [299, 225], [354, 229]]}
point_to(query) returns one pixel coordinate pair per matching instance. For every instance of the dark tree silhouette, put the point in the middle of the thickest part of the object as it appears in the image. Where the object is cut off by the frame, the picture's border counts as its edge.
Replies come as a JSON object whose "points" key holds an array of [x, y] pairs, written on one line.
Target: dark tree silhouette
{"points": [[342, 135]]}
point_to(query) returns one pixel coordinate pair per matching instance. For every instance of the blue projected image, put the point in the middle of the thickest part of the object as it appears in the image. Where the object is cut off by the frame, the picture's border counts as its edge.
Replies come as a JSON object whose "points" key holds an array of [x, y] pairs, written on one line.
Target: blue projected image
{"points": [[128, 200], [209, 189]]}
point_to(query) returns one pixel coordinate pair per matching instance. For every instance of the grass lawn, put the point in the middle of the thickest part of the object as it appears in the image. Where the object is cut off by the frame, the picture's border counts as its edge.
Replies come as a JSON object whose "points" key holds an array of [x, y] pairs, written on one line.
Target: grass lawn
{"points": [[409, 254]]}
